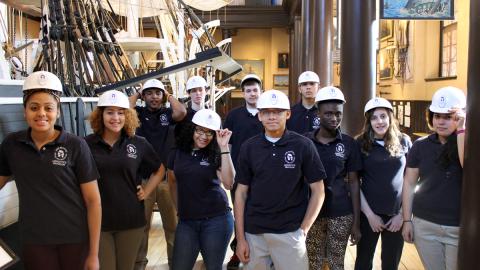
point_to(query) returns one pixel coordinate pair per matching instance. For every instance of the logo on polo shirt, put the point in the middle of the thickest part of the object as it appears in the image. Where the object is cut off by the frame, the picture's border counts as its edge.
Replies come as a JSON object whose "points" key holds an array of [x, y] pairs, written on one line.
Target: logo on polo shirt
{"points": [[131, 151], [60, 156], [204, 162], [289, 160], [316, 122], [163, 119], [340, 150]]}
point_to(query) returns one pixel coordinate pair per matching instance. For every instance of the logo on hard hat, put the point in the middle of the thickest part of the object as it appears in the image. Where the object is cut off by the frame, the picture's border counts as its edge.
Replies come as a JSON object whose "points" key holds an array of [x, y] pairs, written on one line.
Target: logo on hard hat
{"points": [[340, 150], [443, 102], [273, 99], [113, 98], [333, 93], [131, 151], [42, 80], [209, 120], [289, 160], [376, 101], [60, 156]]}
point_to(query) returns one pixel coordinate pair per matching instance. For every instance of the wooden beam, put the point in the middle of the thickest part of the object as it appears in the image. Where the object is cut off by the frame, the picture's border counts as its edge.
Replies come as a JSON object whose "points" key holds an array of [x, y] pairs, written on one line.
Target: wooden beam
{"points": [[31, 10]]}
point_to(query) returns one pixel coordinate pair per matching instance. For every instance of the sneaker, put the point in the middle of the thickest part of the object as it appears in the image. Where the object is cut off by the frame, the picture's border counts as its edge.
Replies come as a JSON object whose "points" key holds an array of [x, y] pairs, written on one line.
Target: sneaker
{"points": [[234, 263]]}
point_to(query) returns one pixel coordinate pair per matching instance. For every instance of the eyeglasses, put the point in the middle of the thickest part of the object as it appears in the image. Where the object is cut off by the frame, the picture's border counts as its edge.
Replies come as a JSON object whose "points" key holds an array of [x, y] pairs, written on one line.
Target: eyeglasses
{"points": [[207, 133]]}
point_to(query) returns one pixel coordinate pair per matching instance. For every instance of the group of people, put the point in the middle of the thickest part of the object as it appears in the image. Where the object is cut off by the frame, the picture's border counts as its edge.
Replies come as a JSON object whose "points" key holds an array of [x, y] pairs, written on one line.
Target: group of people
{"points": [[300, 187]]}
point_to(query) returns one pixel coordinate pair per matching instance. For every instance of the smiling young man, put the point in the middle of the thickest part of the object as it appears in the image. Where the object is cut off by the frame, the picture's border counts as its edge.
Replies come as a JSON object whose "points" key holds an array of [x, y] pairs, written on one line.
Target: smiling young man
{"points": [[274, 208], [244, 124], [304, 116], [156, 119], [340, 215]]}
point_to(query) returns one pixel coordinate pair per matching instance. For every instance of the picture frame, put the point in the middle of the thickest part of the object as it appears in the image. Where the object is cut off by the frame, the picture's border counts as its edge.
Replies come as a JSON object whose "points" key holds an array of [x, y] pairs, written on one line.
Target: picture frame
{"points": [[283, 60], [417, 9], [386, 29], [280, 81], [249, 66], [386, 64], [7, 256]]}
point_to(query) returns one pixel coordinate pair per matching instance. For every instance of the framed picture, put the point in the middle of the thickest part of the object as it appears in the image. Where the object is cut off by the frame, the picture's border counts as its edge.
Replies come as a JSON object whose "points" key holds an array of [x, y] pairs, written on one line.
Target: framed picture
{"points": [[283, 60], [417, 9], [256, 67], [386, 65], [7, 256], [280, 81], [386, 29]]}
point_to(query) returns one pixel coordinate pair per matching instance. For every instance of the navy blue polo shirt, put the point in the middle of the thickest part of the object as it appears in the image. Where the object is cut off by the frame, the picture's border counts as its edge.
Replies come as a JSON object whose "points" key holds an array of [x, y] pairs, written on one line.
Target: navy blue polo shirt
{"points": [[243, 125], [437, 197], [382, 177], [339, 157], [121, 168], [198, 187], [154, 126], [277, 175], [52, 209], [303, 120]]}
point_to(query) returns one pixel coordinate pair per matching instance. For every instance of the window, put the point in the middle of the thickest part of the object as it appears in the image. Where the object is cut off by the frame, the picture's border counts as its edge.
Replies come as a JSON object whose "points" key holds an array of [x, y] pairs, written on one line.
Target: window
{"points": [[448, 48]]}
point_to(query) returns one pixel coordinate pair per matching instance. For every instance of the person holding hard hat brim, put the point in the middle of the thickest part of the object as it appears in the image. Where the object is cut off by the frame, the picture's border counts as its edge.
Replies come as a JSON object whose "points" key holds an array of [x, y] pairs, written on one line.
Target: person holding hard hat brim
{"points": [[156, 125], [339, 218], [197, 168], [277, 199], [304, 116], [432, 185], [244, 124], [383, 151], [122, 159], [56, 178]]}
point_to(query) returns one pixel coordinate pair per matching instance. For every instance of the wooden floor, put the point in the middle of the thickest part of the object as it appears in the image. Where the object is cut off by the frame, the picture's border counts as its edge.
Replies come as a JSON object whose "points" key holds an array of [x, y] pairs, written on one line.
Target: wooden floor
{"points": [[157, 253]]}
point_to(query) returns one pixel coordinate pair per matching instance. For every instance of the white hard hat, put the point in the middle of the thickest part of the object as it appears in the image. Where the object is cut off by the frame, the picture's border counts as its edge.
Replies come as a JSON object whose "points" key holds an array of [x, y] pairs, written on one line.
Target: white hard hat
{"points": [[252, 77], [207, 118], [447, 98], [308, 76], [377, 102], [273, 99], [43, 80], [113, 98], [329, 93], [153, 83], [196, 81]]}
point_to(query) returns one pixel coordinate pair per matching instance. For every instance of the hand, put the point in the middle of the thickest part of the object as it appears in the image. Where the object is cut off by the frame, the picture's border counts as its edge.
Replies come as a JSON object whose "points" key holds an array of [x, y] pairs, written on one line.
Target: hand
{"points": [[395, 223], [376, 223], [243, 251], [459, 117], [92, 263], [407, 232], [223, 137], [140, 193], [355, 234]]}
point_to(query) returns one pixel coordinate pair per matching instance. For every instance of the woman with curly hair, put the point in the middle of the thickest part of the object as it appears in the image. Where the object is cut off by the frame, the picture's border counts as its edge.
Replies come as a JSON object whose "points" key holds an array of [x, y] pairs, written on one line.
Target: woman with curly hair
{"points": [[122, 159], [433, 183], [196, 169], [384, 150]]}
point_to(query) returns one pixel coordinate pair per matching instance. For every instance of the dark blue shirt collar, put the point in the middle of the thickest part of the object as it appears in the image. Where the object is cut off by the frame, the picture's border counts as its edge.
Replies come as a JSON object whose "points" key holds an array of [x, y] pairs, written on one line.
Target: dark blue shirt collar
{"points": [[27, 138]]}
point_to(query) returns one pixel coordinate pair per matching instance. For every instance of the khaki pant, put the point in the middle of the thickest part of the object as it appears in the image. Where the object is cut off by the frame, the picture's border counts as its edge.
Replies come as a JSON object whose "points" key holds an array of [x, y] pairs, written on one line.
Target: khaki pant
{"points": [[118, 249], [436, 244], [164, 201], [269, 251]]}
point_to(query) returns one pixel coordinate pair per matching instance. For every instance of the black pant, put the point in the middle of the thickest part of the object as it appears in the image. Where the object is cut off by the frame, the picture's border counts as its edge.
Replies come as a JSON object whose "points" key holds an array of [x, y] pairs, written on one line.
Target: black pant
{"points": [[392, 246]]}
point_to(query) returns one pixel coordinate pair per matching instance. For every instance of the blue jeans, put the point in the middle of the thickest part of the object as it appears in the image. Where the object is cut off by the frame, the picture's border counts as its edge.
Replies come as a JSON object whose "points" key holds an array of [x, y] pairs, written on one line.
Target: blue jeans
{"points": [[209, 236]]}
